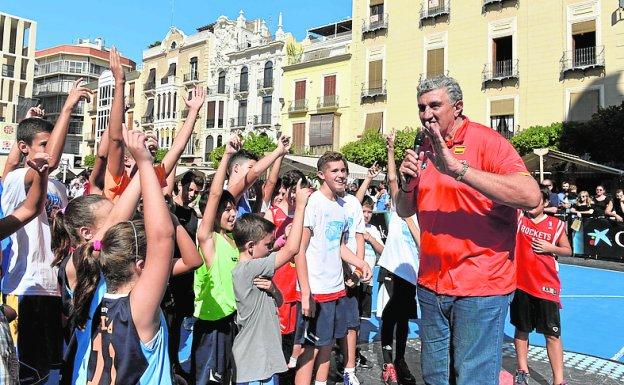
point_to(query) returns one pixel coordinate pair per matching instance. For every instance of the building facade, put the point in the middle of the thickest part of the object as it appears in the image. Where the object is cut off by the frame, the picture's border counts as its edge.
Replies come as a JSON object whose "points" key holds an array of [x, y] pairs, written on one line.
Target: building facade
{"points": [[316, 88], [237, 61], [56, 71], [17, 59], [519, 63]]}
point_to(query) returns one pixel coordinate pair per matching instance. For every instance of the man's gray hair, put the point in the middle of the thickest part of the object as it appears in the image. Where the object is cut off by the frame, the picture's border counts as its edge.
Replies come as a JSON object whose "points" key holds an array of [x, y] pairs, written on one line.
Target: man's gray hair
{"points": [[453, 89]]}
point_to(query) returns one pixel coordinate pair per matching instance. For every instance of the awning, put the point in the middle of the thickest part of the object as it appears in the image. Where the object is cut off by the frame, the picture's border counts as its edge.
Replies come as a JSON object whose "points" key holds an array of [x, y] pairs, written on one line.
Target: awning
{"points": [[307, 165], [546, 161]]}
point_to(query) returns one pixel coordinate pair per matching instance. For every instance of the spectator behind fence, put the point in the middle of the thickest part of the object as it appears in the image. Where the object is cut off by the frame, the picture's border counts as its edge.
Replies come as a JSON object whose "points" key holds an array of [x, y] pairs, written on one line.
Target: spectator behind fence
{"points": [[566, 198], [601, 201], [615, 208], [553, 202], [584, 206]]}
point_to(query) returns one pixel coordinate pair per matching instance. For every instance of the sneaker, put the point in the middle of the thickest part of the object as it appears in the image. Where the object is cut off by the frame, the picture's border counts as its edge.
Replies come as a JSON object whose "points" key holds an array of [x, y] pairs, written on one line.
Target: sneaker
{"points": [[350, 379], [389, 375], [362, 361], [522, 378], [403, 373]]}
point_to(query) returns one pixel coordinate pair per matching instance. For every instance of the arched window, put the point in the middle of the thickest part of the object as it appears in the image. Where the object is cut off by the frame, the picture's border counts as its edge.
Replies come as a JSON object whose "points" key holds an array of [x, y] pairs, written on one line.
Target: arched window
{"points": [[173, 45], [175, 97], [158, 108], [219, 141], [221, 84], [244, 79], [168, 104], [268, 74]]}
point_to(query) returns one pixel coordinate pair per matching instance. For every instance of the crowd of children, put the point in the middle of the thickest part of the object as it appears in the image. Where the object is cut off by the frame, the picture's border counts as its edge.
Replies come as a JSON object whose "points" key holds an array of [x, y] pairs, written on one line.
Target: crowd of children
{"points": [[275, 285]]}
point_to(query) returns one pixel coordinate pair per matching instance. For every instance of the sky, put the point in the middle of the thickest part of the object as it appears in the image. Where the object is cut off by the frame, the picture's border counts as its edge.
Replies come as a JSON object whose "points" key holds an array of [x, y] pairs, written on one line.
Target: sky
{"points": [[132, 25]]}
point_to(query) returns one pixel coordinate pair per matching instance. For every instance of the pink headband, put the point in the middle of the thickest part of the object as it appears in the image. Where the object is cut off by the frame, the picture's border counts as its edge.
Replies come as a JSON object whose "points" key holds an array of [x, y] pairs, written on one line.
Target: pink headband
{"points": [[97, 245]]}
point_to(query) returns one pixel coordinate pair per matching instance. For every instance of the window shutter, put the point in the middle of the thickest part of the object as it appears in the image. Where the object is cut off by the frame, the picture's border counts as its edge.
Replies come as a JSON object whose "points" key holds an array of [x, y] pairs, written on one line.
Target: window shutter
{"points": [[374, 122], [221, 108], [315, 130], [376, 2], [375, 71], [435, 62], [584, 27], [583, 105], [330, 86], [299, 135], [300, 90], [327, 130], [210, 119], [149, 112], [502, 107]]}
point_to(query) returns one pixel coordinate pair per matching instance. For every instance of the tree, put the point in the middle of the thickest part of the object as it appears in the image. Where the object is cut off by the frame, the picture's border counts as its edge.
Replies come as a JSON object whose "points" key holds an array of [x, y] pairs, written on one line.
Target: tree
{"points": [[154, 44], [88, 161], [371, 147], [538, 137], [257, 144], [160, 154]]}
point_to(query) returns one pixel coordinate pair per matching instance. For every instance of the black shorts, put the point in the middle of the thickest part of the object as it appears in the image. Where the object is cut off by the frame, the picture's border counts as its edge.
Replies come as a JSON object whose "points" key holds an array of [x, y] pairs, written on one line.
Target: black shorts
{"points": [[530, 313], [402, 302], [365, 293], [329, 323]]}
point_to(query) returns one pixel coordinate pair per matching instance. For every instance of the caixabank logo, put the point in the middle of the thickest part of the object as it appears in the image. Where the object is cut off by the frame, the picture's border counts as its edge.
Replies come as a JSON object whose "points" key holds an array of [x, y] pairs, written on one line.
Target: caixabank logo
{"points": [[597, 236]]}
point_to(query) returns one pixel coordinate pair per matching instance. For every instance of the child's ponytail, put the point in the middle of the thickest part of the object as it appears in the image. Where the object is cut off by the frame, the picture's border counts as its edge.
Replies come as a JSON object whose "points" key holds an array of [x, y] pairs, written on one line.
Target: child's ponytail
{"points": [[88, 273]]}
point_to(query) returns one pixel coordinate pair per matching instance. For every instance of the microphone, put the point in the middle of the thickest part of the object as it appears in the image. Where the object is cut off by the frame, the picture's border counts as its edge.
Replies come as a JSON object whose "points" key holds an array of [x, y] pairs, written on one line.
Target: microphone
{"points": [[418, 141]]}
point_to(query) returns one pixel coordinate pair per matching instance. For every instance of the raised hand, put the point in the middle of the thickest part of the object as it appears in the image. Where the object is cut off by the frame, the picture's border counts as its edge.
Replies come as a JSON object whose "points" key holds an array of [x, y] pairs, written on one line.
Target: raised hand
{"points": [[411, 165], [284, 143], [78, 93], [39, 162], [196, 99], [136, 142], [441, 156], [152, 142], [390, 139], [115, 65], [373, 171], [233, 145], [35, 112], [302, 194]]}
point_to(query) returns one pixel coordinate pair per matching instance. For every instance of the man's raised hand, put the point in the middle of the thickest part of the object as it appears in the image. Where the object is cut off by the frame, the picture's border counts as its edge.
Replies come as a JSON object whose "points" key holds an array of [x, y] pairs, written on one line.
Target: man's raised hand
{"points": [[390, 139], [35, 112], [78, 93], [196, 99], [233, 145], [39, 162], [373, 171], [284, 143], [440, 155], [136, 144]]}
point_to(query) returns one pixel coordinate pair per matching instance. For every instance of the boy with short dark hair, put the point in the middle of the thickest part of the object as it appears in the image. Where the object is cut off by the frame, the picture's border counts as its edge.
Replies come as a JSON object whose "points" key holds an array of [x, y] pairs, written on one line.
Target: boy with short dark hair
{"points": [[256, 350], [320, 273], [29, 275], [373, 248], [541, 239]]}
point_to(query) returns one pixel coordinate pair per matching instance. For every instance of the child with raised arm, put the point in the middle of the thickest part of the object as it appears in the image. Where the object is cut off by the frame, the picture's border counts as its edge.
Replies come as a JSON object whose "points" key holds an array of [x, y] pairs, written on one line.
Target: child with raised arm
{"points": [[319, 271], [540, 241], [244, 169], [29, 275], [256, 349], [120, 168], [128, 340], [215, 304]]}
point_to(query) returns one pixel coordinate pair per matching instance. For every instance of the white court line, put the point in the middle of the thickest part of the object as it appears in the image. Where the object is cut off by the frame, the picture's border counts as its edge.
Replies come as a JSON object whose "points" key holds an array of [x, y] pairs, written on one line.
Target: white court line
{"points": [[618, 355], [594, 268], [590, 296]]}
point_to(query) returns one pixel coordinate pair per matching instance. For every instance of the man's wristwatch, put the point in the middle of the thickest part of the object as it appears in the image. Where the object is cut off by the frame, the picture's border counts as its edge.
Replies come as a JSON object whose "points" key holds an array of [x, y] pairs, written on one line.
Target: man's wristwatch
{"points": [[462, 172]]}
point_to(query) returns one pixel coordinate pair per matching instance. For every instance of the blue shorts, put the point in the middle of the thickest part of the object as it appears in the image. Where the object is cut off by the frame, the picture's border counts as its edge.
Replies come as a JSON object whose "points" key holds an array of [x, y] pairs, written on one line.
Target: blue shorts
{"points": [[274, 380], [211, 350], [352, 309], [328, 324]]}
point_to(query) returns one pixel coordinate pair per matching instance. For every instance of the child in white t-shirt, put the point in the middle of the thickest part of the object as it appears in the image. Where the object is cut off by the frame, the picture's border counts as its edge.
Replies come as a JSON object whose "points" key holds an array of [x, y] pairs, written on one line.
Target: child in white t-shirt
{"points": [[319, 270], [373, 247]]}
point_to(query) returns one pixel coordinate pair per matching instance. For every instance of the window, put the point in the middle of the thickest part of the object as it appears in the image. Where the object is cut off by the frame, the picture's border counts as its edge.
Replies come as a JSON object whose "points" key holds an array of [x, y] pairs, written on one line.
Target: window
{"points": [[583, 104], [169, 105], [321, 130], [584, 43], [502, 56], [375, 75], [268, 74], [376, 10], [194, 68], [158, 108], [435, 62], [298, 136], [266, 110], [221, 108], [374, 122], [209, 147], [210, 119], [242, 113], [300, 90], [219, 141], [244, 79], [329, 91], [175, 98], [502, 116], [221, 83], [173, 45]]}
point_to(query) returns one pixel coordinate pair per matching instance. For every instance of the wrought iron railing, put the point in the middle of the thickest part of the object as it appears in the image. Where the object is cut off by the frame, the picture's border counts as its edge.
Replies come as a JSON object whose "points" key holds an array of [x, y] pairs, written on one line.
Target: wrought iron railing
{"points": [[582, 58], [298, 105], [372, 89], [375, 22], [500, 70]]}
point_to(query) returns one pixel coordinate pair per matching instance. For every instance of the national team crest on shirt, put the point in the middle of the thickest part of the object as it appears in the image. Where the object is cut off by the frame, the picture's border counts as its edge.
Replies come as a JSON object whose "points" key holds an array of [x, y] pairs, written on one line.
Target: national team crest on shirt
{"points": [[459, 150]]}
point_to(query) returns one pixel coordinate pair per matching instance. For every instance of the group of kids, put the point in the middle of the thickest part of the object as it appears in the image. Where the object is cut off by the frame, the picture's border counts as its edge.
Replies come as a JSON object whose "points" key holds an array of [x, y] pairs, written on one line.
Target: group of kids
{"points": [[273, 292]]}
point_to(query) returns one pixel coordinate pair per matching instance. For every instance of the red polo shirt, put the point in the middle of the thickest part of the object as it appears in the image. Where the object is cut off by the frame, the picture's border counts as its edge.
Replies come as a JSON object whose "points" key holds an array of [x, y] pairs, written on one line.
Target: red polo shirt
{"points": [[467, 241]]}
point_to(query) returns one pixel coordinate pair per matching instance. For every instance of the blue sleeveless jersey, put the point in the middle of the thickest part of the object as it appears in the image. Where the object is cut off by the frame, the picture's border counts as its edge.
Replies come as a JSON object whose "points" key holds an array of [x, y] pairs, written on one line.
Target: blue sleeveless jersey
{"points": [[114, 354]]}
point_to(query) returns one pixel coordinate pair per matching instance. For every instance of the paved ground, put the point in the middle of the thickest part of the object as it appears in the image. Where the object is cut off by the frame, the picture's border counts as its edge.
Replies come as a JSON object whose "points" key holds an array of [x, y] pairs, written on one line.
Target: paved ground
{"points": [[579, 369]]}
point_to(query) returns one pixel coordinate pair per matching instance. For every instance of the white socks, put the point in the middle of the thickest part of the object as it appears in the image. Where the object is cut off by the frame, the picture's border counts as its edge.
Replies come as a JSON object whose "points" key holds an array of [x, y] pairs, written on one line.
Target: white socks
{"points": [[292, 363]]}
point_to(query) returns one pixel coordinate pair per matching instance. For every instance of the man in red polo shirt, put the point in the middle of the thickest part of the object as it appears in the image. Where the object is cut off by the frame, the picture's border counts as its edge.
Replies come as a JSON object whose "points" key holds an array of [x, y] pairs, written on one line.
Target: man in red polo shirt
{"points": [[466, 184]]}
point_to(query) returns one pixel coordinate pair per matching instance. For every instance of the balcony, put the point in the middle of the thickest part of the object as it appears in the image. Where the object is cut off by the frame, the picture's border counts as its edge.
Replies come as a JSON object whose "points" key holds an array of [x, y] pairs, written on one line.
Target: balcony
{"points": [[93, 109], [487, 3], [265, 87], [130, 102], [583, 58], [375, 23], [240, 122], [374, 89], [241, 90], [210, 123], [149, 87], [427, 12], [327, 102], [262, 120], [8, 71], [298, 106], [216, 90], [147, 120], [185, 113], [191, 77], [500, 70], [168, 80]]}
